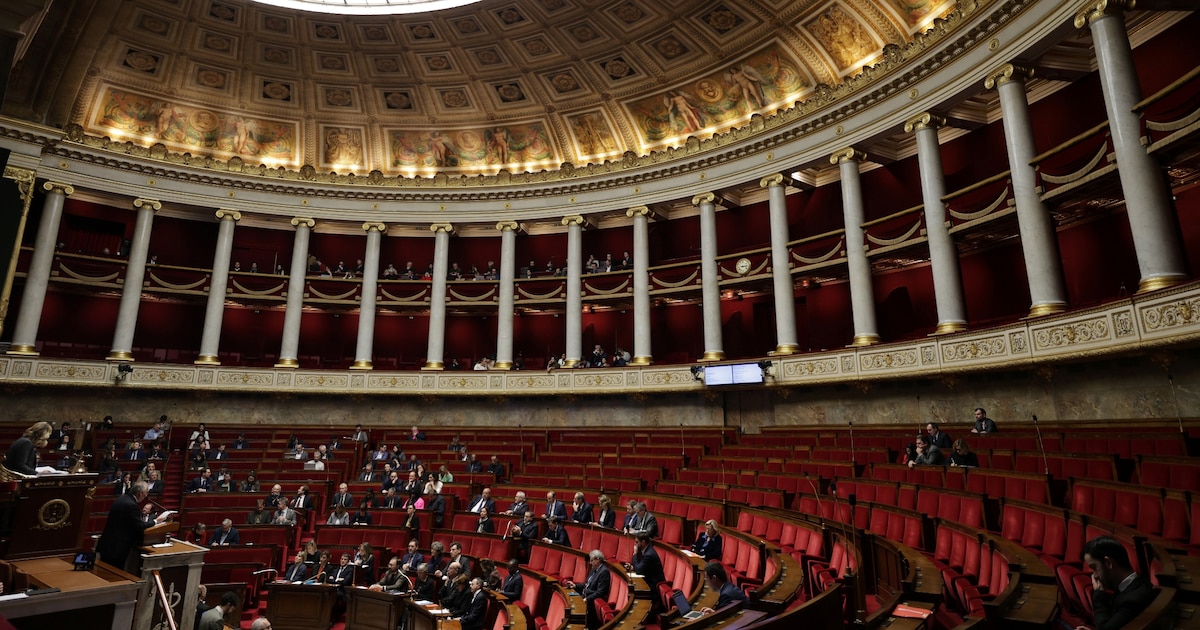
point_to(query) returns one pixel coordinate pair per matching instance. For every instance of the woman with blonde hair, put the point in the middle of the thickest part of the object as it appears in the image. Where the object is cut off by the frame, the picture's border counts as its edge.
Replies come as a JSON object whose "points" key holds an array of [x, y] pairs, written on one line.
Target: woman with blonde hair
{"points": [[962, 455], [22, 454]]}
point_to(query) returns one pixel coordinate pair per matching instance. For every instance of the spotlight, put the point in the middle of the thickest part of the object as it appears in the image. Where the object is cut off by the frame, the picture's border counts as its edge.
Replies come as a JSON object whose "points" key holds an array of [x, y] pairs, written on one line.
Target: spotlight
{"points": [[697, 372], [123, 371], [765, 366]]}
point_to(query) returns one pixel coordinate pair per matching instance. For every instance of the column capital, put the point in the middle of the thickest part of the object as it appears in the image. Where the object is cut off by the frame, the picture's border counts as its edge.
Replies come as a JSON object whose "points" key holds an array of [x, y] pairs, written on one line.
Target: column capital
{"points": [[848, 154], [574, 219], [153, 205], [303, 221], [65, 189], [775, 179], [638, 211], [442, 227], [508, 226], [232, 215], [704, 197], [374, 226], [1101, 8], [924, 120], [1007, 72]]}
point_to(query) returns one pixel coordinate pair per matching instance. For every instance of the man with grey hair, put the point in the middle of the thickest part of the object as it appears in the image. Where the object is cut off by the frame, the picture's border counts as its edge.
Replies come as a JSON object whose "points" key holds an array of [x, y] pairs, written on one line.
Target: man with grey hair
{"points": [[226, 535], [595, 587], [262, 623], [476, 609], [124, 530], [643, 522]]}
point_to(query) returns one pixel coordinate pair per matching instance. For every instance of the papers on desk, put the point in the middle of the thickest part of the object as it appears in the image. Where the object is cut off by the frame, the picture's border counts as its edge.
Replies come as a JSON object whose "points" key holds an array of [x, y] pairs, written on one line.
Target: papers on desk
{"points": [[904, 610], [49, 470], [13, 596], [422, 602], [634, 575], [689, 553], [163, 545]]}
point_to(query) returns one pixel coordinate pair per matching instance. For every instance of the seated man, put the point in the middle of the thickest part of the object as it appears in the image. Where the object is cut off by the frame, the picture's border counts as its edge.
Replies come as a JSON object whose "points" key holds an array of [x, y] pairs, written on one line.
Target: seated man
{"points": [[519, 506], [927, 454], [596, 586], [983, 424], [393, 580], [227, 534], [555, 533], [1118, 593], [718, 580], [514, 584]]}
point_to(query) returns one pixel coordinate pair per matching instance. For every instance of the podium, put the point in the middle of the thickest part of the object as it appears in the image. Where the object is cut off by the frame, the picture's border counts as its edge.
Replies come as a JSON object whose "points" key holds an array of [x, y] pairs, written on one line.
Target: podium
{"points": [[178, 564], [300, 606], [45, 516], [103, 598], [372, 610]]}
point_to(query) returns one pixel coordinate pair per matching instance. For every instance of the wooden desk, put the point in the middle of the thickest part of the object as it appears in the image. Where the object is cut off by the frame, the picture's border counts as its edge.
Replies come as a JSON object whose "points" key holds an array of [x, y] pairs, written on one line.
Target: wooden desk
{"points": [[101, 599], [300, 606], [428, 617], [374, 610]]}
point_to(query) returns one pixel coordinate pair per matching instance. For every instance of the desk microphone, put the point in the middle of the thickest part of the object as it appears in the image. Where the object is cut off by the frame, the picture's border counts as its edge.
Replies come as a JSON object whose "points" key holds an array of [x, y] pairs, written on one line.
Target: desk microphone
{"points": [[262, 571], [817, 495], [1175, 398], [313, 579], [853, 459], [1041, 447]]}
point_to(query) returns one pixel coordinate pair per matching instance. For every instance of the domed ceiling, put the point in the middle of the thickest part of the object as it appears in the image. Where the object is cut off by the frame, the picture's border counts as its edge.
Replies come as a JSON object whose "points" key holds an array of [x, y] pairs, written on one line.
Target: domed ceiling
{"points": [[497, 85]]}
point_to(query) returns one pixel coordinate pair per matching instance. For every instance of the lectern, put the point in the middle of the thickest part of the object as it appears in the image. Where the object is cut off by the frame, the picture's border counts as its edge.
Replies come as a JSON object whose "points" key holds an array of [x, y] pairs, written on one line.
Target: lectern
{"points": [[178, 564], [373, 610], [44, 516]]}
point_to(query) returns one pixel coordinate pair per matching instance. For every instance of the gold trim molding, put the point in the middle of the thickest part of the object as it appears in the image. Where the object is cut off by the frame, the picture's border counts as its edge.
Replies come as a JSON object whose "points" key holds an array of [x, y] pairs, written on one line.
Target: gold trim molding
{"points": [[924, 120], [1102, 8], [1007, 72]]}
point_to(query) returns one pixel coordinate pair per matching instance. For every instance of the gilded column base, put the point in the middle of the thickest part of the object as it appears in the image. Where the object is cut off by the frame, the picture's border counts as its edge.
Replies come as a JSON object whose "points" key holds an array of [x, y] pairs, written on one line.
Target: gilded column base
{"points": [[570, 363], [503, 365], [945, 328], [361, 365], [712, 355], [434, 366], [287, 363], [23, 350], [864, 340], [1159, 282], [1046, 308], [207, 359], [641, 361], [785, 348], [119, 355]]}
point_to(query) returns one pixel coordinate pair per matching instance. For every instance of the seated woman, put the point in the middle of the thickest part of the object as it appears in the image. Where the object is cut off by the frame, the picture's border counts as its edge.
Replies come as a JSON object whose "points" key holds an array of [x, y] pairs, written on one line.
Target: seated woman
{"points": [[412, 522], [364, 560], [963, 456], [485, 525], [339, 516], [709, 544]]}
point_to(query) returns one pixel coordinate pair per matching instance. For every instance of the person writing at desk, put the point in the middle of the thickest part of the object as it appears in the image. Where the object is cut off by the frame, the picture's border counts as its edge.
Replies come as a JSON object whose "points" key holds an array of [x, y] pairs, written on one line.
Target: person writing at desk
{"points": [[709, 544], [124, 529], [22, 454], [718, 580]]}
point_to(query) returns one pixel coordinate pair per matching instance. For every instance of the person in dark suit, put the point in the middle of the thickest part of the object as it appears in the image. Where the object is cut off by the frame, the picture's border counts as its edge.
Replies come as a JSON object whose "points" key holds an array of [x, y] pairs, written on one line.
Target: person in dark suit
{"points": [[342, 497], [1118, 593], [581, 510], [226, 534], [368, 473], [485, 524], [513, 585], [474, 465], [417, 435], [709, 544], [496, 469], [555, 533], [135, 452], [476, 609], [554, 507], [483, 500], [519, 506], [124, 529], [607, 517], [595, 587], [424, 587], [646, 562], [643, 522], [524, 532], [298, 570], [302, 501], [125, 484], [728, 593], [938, 438], [413, 558], [362, 516], [412, 522], [983, 424], [203, 483], [436, 504]]}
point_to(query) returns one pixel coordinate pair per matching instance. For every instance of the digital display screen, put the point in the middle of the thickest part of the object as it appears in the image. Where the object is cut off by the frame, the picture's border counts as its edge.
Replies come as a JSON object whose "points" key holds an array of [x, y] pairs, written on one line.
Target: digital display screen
{"points": [[734, 374]]}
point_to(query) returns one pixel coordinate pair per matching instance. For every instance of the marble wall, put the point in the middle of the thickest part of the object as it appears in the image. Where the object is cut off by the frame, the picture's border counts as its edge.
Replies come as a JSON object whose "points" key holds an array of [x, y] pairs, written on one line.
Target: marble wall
{"points": [[1132, 388]]}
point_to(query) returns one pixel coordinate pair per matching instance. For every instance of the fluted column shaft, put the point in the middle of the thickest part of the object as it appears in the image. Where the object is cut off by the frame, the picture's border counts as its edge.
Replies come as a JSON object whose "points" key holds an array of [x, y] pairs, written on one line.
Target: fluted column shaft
{"points": [[437, 298], [943, 256], [289, 349], [135, 273], [33, 297], [1039, 243], [862, 288], [508, 273], [574, 341], [641, 285], [365, 345], [710, 281], [1152, 223], [214, 311], [781, 268]]}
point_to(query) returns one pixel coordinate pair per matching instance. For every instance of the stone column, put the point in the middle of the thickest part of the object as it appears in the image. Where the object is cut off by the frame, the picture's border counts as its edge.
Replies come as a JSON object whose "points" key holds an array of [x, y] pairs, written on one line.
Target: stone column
{"points": [[29, 318], [1039, 243], [862, 290], [710, 281], [641, 285], [781, 267], [290, 348], [1147, 199], [574, 347], [366, 308], [135, 272], [214, 312], [508, 272], [437, 297], [943, 256]]}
